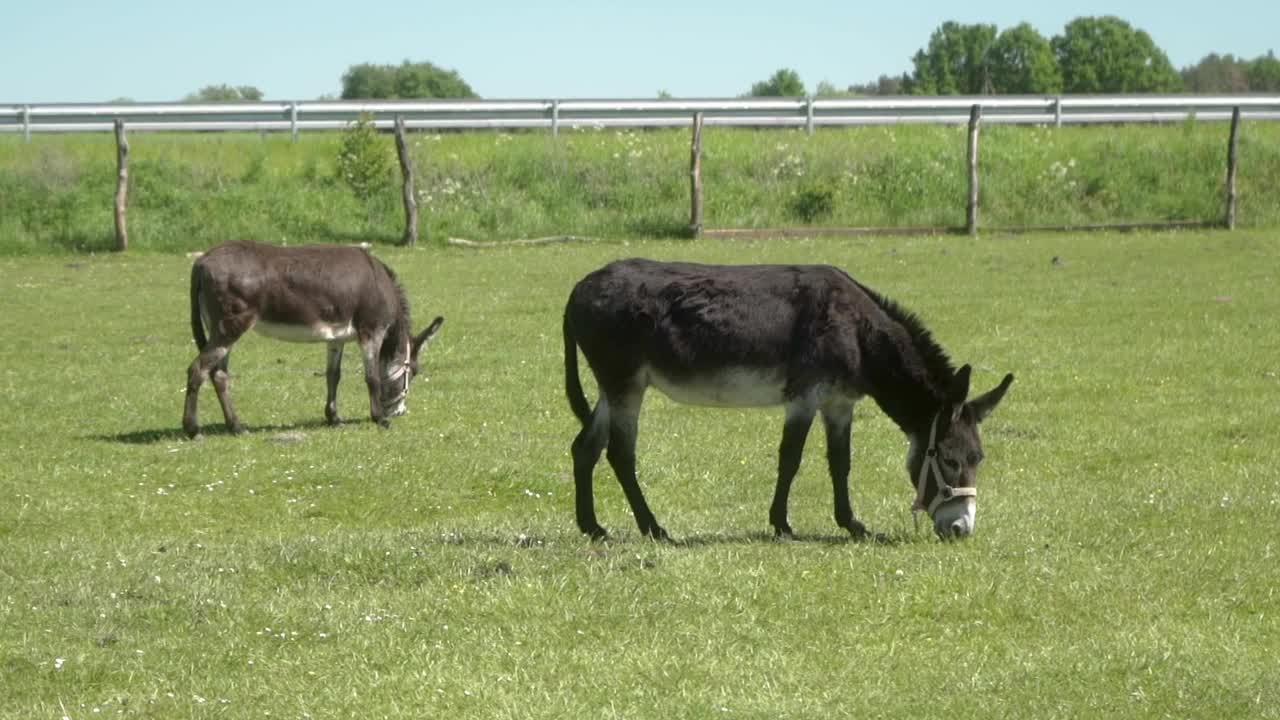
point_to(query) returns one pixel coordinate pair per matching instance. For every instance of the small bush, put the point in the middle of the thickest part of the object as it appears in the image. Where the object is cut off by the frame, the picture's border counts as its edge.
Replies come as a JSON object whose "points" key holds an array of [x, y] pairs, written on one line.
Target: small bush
{"points": [[364, 162], [813, 202]]}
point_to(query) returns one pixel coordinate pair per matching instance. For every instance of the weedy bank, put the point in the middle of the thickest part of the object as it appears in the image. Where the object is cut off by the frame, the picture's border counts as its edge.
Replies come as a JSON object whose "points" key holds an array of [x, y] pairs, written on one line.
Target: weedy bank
{"points": [[188, 192], [1124, 561]]}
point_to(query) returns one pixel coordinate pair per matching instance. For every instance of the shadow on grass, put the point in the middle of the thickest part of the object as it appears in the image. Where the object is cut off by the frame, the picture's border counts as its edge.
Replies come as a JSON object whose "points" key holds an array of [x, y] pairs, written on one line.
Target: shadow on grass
{"points": [[659, 228], [281, 433], [692, 542], [84, 243]]}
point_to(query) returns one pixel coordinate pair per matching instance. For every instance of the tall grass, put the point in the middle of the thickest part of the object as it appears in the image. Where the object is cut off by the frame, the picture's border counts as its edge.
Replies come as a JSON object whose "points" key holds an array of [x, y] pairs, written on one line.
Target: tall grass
{"points": [[190, 191]]}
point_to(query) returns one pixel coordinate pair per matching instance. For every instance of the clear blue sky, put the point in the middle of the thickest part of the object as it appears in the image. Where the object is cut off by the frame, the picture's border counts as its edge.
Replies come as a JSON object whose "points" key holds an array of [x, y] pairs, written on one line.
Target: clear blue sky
{"points": [[97, 50]]}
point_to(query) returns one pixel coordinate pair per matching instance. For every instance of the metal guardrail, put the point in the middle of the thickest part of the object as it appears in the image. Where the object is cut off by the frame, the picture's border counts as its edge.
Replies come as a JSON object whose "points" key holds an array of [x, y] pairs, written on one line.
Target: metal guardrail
{"points": [[555, 115]]}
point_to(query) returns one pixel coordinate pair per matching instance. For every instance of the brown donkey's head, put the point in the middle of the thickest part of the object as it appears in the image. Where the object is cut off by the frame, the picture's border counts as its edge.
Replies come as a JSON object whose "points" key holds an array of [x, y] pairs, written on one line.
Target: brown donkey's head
{"points": [[400, 353]]}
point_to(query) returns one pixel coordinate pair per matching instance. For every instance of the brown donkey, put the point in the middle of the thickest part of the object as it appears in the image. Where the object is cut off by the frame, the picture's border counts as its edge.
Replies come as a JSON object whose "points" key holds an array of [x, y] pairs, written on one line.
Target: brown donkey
{"points": [[317, 293]]}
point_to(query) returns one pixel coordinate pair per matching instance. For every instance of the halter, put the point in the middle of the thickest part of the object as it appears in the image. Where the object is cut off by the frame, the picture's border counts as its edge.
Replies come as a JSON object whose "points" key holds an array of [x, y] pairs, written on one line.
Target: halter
{"points": [[402, 373], [945, 492]]}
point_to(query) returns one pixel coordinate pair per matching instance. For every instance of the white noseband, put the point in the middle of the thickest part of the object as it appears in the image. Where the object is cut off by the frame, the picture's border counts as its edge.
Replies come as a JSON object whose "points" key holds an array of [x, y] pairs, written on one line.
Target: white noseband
{"points": [[945, 492], [402, 373]]}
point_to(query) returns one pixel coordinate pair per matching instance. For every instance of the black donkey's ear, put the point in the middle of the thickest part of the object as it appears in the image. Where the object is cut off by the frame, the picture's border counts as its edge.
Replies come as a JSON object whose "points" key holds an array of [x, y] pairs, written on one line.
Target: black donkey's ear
{"points": [[984, 404]]}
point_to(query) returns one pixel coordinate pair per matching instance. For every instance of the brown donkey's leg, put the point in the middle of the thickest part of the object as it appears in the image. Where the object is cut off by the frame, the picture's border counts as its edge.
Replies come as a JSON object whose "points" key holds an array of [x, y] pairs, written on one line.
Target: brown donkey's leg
{"points": [[333, 373], [221, 385], [213, 356], [369, 347]]}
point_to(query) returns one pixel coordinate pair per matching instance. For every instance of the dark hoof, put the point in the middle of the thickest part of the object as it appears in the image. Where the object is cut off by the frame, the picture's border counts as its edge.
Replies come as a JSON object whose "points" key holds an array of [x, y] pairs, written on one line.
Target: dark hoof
{"points": [[334, 421], [783, 532], [595, 532], [238, 429], [383, 423], [197, 436], [655, 532], [860, 533]]}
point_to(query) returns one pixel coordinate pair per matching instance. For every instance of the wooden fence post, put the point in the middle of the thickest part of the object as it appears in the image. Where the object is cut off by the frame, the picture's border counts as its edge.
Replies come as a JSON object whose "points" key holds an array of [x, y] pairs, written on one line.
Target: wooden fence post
{"points": [[122, 186], [410, 201], [695, 177], [1232, 146], [971, 218]]}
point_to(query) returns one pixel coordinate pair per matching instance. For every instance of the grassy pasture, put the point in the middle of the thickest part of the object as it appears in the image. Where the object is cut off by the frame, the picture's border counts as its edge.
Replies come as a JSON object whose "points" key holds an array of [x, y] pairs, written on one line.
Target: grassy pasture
{"points": [[1124, 562]]}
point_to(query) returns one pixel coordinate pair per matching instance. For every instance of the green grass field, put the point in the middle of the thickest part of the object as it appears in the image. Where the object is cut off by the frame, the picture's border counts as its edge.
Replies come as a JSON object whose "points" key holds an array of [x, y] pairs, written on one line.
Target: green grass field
{"points": [[1124, 563]]}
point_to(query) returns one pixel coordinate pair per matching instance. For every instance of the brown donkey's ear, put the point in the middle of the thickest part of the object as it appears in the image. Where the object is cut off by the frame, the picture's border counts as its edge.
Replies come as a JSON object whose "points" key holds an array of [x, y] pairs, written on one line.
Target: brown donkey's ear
{"points": [[984, 404], [421, 340]]}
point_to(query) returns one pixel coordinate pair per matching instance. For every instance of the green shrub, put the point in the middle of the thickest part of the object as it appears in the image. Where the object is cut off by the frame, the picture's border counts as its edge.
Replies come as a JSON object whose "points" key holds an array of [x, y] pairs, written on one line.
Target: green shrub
{"points": [[815, 201], [364, 161]]}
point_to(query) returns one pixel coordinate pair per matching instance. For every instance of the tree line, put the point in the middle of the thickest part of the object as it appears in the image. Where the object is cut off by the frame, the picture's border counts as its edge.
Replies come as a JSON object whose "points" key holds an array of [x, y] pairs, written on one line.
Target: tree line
{"points": [[1092, 55], [366, 81]]}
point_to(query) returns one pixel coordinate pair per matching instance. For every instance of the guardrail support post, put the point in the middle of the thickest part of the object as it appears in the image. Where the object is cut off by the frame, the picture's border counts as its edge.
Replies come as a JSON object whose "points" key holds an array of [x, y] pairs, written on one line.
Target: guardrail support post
{"points": [[808, 121], [122, 186], [555, 118], [975, 119], [293, 122], [1057, 112], [26, 122], [1232, 146], [695, 177], [410, 201]]}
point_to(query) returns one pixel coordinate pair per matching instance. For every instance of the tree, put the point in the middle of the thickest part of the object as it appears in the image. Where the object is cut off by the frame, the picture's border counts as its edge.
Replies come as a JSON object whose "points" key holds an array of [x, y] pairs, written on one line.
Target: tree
{"points": [[407, 80], [829, 90], [1021, 62], [784, 83], [1263, 73], [366, 81], [1216, 74], [884, 85], [225, 93], [954, 63], [1107, 55]]}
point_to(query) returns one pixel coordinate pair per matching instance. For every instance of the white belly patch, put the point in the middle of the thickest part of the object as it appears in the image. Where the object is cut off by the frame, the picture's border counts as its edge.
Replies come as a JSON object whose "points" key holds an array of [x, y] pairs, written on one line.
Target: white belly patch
{"points": [[320, 332], [730, 387]]}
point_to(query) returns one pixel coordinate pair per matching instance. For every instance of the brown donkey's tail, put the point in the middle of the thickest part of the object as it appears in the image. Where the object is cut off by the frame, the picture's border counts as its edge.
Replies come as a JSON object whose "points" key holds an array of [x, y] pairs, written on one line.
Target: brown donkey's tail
{"points": [[572, 383], [197, 324]]}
